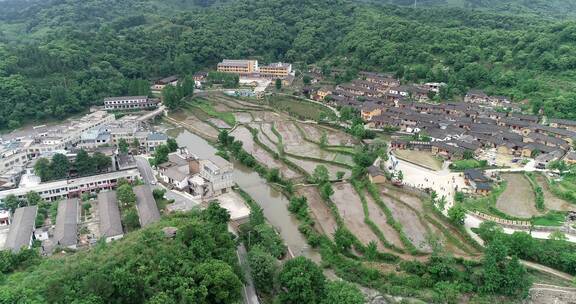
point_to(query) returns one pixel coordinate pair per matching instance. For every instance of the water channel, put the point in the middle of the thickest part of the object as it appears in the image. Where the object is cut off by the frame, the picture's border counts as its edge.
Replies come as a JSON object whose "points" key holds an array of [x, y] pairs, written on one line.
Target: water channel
{"points": [[273, 203]]}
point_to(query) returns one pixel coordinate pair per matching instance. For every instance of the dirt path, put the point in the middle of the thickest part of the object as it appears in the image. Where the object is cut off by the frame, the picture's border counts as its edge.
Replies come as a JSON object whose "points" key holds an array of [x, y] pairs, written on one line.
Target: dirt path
{"points": [[548, 270], [551, 201], [518, 199]]}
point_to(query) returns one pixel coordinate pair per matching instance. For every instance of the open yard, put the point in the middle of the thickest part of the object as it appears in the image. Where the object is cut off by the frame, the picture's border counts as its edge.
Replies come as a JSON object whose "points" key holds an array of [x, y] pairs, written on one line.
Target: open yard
{"points": [[518, 199], [350, 208], [423, 158]]}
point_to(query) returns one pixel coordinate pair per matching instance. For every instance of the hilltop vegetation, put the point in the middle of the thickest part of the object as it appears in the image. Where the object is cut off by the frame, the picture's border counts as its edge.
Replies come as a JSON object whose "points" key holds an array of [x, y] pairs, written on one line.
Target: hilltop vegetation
{"points": [[199, 265], [59, 57]]}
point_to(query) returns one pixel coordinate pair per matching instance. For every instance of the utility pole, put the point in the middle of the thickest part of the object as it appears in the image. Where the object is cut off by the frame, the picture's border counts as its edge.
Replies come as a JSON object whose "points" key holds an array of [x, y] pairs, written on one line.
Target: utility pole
{"points": [[415, 3]]}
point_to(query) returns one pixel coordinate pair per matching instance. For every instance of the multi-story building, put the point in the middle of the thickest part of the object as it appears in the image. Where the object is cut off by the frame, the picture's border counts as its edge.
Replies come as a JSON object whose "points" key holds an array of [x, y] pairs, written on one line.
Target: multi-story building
{"points": [[13, 155], [241, 67], [129, 103], [276, 70], [55, 190], [219, 173]]}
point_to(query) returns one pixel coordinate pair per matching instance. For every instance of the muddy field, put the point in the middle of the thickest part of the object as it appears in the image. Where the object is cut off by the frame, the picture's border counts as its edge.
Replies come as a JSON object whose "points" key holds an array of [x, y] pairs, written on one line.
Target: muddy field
{"points": [[350, 208], [295, 144], [414, 229], [189, 120], [379, 218], [334, 137], [309, 166], [518, 199], [243, 117], [551, 201], [261, 155], [322, 214]]}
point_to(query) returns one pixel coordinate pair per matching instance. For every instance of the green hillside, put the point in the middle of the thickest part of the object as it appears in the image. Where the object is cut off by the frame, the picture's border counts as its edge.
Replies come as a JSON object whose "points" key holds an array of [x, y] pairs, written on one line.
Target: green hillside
{"points": [[59, 57], [199, 265]]}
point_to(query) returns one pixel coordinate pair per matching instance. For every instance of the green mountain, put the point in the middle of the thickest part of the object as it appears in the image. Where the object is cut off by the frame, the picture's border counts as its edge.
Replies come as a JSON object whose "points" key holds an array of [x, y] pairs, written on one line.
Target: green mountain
{"points": [[58, 57], [548, 8]]}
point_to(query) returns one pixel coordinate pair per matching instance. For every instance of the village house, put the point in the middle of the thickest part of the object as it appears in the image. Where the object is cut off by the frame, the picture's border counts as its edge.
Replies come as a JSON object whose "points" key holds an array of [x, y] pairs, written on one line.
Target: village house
{"points": [[159, 85], [570, 158], [369, 110], [563, 123], [322, 93], [479, 183], [376, 176]]}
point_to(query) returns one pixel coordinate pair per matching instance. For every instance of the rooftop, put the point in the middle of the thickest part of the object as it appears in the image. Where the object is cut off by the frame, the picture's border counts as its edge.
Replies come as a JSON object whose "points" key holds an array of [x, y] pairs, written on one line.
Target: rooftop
{"points": [[110, 223], [21, 229], [66, 230], [146, 205]]}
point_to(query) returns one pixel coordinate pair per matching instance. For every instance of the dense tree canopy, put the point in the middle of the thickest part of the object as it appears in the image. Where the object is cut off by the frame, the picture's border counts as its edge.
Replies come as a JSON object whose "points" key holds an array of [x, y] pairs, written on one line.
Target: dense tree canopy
{"points": [[145, 267], [59, 57]]}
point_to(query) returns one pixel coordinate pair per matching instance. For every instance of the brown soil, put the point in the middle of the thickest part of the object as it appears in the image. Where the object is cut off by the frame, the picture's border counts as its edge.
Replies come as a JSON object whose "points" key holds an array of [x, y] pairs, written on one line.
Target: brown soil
{"points": [[350, 208], [334, 137], [322, 214], [261, 155], [379, 218], [551, 201], [518, 199]]}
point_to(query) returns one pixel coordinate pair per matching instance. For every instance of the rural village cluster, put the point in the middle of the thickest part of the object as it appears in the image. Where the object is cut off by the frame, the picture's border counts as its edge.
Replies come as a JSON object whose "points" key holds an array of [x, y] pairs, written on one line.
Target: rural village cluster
{"points": [[468, 147]]}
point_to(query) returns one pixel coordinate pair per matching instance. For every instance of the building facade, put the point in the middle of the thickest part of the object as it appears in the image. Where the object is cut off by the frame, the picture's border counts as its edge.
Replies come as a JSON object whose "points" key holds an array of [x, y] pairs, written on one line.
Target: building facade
{"points": [[241, 67], [129, 103]]}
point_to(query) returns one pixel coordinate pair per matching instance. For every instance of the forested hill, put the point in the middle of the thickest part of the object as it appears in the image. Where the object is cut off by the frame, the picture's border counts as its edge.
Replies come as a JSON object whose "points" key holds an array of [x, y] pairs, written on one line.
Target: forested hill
{"points": [[546, 8], [57, 57]]}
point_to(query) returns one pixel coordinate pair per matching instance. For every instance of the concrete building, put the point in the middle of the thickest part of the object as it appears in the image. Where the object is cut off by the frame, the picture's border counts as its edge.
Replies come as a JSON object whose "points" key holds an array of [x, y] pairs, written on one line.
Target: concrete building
{"points": [[155, 139], [129, 103], [21, 229], [219, 173], [109, 213], [73, 187], [146, 205], [242, 67], [67, 218], [159, 85], [4, 218], [276, 70], [13, 155]]}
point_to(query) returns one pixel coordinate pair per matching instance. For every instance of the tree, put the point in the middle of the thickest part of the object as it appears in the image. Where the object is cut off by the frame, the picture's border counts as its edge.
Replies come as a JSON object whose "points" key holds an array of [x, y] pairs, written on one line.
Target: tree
{"points": [[161, 154], [60, 166], [306, 80], [343, 239], [340, 175], [323, 140], [135, 143], [326, 191], [457, 214], [502, 275], [263, 268], [342, 292], [557, 236], [11, 202], [278, 84], [219, 281], [130, 219], [126, 196], [33, 198], [468, 154], [43, 170], [172, 98], [102, 161], [84, 163], [216, 214], [301, 281], [172, 145], [320, 175], [123, 146]]}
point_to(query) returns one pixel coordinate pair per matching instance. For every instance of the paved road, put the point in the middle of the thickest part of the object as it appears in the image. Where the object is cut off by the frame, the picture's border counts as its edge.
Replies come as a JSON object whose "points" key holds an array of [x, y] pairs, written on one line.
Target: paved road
{"points": [[145, 170], [249, 292]]}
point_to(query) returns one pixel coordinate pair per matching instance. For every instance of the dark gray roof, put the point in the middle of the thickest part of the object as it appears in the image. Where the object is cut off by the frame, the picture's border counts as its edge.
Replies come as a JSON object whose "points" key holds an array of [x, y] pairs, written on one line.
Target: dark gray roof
{"points": [[66, 232], [110, 223], [157, 136], [23, 224], [146, 205]]}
